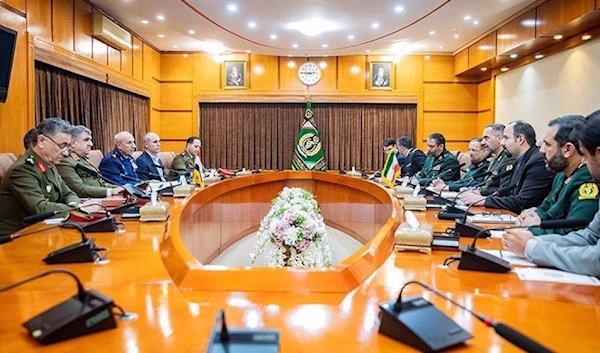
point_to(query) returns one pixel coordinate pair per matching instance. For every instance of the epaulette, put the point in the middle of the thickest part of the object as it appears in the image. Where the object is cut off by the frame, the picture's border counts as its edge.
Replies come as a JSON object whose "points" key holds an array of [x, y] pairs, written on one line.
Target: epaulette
{"points": [[114, 155], [30, 160], [75, 156]]}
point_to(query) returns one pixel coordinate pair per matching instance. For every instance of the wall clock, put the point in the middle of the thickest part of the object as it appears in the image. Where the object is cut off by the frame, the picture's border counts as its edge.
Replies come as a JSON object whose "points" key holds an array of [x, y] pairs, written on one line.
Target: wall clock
{"points": [[309, 73]]}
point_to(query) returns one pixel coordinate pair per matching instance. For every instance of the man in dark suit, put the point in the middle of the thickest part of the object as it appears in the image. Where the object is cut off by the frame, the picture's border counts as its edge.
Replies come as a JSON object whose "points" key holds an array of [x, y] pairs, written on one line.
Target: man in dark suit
{"points": [[150, 167], [414, 159], [531, 178]]}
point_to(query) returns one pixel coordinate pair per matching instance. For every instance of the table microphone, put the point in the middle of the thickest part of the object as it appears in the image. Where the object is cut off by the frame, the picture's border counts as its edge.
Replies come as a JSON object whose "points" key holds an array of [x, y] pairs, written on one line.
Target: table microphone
{"points": [[94, 173], [472, 259], [409, 321]]}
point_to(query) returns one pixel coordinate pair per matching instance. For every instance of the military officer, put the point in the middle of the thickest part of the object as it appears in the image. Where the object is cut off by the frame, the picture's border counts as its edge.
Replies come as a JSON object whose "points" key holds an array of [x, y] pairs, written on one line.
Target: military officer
{"points": [[185, 162], [574, 194], [83, 183], [32, 184], [475, 173], [439, 163], [501, 161], [118, 165]]}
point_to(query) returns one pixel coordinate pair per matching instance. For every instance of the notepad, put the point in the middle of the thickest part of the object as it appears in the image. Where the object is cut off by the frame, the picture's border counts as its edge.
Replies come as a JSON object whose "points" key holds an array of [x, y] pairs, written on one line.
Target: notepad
{"points": [[556, 276], [492, 218]]}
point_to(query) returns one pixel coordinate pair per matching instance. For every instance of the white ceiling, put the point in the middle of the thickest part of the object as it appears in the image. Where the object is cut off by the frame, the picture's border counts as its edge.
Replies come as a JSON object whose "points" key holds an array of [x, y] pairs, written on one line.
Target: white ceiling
{"points": [[215, 25]]}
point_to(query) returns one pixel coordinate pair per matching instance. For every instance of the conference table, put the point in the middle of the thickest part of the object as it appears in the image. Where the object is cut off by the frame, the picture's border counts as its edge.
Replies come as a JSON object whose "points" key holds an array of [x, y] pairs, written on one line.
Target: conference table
{"points": [[161, 271]]}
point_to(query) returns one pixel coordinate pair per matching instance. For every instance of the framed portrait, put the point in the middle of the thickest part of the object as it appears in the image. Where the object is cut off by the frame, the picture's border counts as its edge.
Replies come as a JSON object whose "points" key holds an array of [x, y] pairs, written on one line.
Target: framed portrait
{"points": [[381, 75], [235, 75]]}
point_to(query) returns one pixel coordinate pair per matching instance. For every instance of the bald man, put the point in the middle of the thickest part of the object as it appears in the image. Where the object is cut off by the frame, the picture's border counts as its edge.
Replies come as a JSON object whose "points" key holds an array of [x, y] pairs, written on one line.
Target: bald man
{"points": [[118, 165], [150, 167]]}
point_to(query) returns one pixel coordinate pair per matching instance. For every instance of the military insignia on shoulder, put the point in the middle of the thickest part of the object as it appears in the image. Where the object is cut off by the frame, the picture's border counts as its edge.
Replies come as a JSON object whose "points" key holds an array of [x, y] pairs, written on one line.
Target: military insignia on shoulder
{"points": [[588, 191], [30, 160], [75, 156], [114, 155], [509, 167]]}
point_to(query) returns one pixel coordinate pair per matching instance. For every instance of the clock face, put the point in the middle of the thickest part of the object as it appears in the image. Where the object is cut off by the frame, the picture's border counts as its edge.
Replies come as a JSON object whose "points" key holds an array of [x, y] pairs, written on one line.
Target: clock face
{"points": [[309, 73]]}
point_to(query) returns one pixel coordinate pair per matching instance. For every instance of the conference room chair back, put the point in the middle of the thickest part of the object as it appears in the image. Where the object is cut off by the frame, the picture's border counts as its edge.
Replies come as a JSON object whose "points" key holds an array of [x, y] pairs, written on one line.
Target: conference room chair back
{"points": [[6, 160], [95, 157]]}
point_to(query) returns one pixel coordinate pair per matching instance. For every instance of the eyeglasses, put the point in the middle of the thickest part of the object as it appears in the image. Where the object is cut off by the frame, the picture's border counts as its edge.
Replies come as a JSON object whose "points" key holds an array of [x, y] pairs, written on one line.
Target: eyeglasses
{"points": [[63, 146]]}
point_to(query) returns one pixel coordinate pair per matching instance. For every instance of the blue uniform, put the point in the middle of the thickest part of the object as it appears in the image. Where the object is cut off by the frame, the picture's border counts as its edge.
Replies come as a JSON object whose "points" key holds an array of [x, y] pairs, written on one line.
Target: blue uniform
{"points": [[119, 168]]}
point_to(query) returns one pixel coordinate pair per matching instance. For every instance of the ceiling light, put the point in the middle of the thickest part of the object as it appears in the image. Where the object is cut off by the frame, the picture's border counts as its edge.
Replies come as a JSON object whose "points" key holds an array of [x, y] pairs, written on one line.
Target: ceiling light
{"points": [[324, 45], [514, 56], [161, 35], [191, 31], [248, 51], [539, 56], [313, 27], [483, 69], [294, 45], [291, 64], [431, 33], [586, 36], [467, 17], [145, 22], [475, 22], [323, 65], [402, 48], [504, 69], [368, 51], [273, 36], [375, 25], [232, 8], [441, 47], [160, 17], [325, 55], [290, 55], [558, 37], [427, 57], [175, 46], [456, 36], [211, 47], [398, 8], [351, 37], [252, 24]]}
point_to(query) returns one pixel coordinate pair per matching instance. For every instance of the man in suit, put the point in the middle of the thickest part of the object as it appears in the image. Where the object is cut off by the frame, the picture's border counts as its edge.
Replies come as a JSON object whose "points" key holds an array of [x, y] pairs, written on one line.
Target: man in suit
{"points": [[440, 163], [531, 180], [82, 182], [479, 163], [389, 146], [501, 162], [150, 167], [414, 159], [185, 162], [118, 165], [32, 185], [572, 195], [577, 251]]}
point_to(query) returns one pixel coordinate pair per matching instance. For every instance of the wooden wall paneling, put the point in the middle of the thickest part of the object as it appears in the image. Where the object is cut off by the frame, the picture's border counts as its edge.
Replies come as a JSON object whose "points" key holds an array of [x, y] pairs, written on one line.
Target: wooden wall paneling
{"points": [[176, 146], [82, 24], [462, 146], [449, 97], [62, 23], [555, 13], [454, 126], [483, 50], [485, 96], [207, 72], [439, 68], [175, 96], [352, 72], [484, 118], [461, 61], [329, 70], [263, 71], [151, 65], [138, 59], [114, 58], [516, 32], [127, 61], [176, 67], [408, 73], [99, 51], [39, 19], [15, 113], [176, 125], [288, 73], [17, 4]]}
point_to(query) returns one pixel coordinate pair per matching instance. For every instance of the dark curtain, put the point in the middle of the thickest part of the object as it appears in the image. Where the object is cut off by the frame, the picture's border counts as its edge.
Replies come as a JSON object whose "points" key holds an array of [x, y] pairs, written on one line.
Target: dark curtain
{"points": [[251, 135], [104, 109]]}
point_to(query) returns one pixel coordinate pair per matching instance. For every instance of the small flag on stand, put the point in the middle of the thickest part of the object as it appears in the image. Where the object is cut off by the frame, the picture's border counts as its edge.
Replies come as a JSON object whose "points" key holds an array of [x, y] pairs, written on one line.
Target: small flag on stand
{"points": [[197, 177], [391, 171]]}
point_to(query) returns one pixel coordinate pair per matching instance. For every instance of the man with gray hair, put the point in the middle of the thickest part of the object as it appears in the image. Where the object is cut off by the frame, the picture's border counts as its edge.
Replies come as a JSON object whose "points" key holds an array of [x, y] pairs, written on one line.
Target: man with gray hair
{"points": [[78, 172], [118, 165], [150, 167], [32, 184]]}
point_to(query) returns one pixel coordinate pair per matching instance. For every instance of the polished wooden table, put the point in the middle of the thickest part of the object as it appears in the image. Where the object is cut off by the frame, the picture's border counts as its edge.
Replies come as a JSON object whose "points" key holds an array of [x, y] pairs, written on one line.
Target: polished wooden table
{"points": [[157, 271]]}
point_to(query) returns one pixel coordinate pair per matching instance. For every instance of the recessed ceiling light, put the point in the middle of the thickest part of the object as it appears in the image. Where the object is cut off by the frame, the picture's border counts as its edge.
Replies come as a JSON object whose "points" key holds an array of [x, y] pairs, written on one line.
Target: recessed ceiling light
{"points": [[232, 7], [191, 31], [290, 55], [456, 36], [475, 22], [145, 22], [558, 37], [483, 69], [175, 46], [467, 17], [441, 47], [368, 51], [431, 33], [160, 17], [513, 56], [504, 69], [313, 27], [252, 24], [294, 45], [539, 56], [248, 51], [273, 36], [325, 55], [161, 35], [427, 57], [375, 25], [586, 36], [324, 45], [398, 8], [351, 37]]}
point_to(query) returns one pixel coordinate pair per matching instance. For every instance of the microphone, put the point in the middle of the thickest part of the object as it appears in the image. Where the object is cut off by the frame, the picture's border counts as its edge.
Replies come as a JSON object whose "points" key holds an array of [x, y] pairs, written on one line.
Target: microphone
{"points": [[94, 173], [84, 251], [503, 191], [403, 320], [86, 312], [125, 176], [7, 238], [472, 259], [92, 224], [223, 339], [150, 174]]}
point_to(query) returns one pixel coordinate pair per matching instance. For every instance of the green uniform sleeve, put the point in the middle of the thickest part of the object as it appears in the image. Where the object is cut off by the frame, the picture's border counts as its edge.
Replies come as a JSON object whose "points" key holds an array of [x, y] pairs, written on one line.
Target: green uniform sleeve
{"points": [[26, 189], [76, 183], [579, 209]]}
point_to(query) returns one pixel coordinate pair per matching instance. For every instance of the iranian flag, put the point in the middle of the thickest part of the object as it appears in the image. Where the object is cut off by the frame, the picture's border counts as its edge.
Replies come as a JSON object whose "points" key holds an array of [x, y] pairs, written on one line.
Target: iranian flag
{"points": [[391, 171]]}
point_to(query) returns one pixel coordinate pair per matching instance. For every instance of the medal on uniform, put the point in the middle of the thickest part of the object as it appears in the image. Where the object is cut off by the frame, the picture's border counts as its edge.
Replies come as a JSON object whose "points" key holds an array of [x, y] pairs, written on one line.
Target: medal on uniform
{"points": [[48, 188]]}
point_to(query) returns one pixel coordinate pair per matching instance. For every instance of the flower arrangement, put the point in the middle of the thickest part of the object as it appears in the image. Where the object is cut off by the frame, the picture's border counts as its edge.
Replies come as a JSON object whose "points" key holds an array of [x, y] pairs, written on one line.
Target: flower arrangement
{"points": [[293, 233]]}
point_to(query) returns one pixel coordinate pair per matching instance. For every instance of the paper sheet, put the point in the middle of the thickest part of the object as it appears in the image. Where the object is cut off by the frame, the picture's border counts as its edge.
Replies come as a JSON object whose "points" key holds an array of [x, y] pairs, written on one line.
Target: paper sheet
{"points": [[496, 234], [557, 276], [509, 256], [492, 218]]}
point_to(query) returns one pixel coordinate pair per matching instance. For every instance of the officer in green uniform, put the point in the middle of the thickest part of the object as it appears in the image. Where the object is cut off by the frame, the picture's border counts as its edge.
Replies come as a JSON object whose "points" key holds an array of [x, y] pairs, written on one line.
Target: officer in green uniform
{"points": [[574, 194], [185, 162], [501, 160], [82, 182], [440, 163], [480, 160], [32, 184]]}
